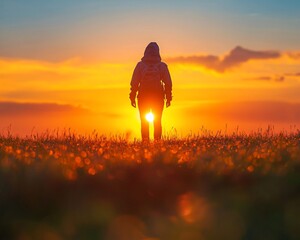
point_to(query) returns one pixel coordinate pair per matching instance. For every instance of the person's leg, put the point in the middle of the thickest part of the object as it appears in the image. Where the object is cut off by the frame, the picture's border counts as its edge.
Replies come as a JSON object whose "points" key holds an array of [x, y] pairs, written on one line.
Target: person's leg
{"points": [[143, 109], [157, 111]]}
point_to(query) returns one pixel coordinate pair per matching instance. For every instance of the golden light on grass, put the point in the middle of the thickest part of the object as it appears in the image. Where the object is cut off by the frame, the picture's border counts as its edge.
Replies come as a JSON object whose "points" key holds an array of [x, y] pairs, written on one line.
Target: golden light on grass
{"points": [[150, 117]]}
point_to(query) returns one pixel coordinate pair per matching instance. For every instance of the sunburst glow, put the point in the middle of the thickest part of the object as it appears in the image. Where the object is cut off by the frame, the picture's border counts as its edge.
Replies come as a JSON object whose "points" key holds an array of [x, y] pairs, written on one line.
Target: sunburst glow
{"points": [[150, 117]]}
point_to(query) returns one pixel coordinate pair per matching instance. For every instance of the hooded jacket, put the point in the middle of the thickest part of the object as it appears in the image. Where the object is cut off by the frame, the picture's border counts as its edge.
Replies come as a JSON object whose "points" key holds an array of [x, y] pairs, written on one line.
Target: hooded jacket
{"points": [[151, 57]]}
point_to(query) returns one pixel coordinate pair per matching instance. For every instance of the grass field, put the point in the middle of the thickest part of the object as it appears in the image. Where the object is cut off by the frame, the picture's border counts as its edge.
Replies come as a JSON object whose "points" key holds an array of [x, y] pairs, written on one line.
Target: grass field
{"points": [[202, 187]]}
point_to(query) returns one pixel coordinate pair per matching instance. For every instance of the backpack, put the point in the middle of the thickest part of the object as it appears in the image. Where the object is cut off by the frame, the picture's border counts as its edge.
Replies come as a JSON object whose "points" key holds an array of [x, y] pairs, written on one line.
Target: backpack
{"points": [[150, 83]]}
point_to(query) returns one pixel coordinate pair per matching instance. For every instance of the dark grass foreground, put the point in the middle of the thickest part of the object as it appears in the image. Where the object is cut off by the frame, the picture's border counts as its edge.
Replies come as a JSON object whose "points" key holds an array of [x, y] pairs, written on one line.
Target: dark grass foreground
{"points": [[74, 187]]}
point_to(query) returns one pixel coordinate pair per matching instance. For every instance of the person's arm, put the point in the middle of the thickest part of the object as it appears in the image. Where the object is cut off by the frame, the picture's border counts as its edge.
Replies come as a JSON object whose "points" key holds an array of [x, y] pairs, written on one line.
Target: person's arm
{"points": [[168, 85], [135, 82]]}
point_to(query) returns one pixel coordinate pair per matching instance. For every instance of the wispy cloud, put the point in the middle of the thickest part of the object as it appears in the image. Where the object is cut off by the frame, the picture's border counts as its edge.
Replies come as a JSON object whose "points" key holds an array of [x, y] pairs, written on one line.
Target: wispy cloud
{"points": [[293, 74], [257, 111], [33, 109], [276, 78], [294, 55], [280, 78], [234, 58], [26, 75]]}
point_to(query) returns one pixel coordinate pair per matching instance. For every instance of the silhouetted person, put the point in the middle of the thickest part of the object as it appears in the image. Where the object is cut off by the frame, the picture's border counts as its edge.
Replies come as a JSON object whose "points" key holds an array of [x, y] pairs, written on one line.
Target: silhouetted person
{"points": [[151, 80]]}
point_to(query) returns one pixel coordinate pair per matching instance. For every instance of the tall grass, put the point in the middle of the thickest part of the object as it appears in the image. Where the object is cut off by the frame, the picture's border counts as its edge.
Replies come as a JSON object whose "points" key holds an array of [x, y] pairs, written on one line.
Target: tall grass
{"points": [[61, 185]]}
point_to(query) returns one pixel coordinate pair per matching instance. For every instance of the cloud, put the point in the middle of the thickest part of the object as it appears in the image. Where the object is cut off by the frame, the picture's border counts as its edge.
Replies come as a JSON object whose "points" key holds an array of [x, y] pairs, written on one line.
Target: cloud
{"points": [[263, 78], [293, 74], [278, 78], [24, 74], [294, 55], [22, 118], [234, 58], [269, 78], [32, 110], [250, 111], [8, 109], [111, 115]]}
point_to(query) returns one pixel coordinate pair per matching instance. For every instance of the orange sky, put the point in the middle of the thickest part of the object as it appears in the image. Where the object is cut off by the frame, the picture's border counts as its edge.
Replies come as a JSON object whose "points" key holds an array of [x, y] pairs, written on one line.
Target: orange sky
{"points": [[68, 64], [251, 91]]}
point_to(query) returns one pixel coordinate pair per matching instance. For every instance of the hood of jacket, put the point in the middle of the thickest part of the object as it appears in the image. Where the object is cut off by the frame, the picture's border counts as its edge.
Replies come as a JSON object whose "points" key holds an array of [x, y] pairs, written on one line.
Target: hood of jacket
{"points": [[151, 53]]}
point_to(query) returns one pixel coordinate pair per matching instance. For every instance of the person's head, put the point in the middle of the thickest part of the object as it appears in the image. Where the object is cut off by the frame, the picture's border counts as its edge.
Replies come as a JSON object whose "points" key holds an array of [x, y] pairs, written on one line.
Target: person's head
{"points": [[151, 53]]}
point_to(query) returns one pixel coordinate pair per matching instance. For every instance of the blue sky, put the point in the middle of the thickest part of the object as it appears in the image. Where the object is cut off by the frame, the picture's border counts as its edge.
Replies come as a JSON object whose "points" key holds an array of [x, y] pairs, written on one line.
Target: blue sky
{"points": [[62, 29]]}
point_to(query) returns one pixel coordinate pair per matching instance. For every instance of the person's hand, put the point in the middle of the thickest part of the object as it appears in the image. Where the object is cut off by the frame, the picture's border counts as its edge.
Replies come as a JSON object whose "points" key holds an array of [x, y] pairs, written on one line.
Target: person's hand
{"points": [[168, 103], [133, 103], [132, 96]]}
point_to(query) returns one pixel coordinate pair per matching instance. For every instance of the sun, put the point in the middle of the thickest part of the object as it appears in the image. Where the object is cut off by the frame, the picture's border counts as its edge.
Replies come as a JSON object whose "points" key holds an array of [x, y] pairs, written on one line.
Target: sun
{"points": [[150, 117]]}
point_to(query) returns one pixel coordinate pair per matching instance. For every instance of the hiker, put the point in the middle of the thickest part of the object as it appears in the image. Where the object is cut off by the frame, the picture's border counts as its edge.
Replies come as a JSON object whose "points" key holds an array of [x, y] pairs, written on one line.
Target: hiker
{"points": [[152, 81]]}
